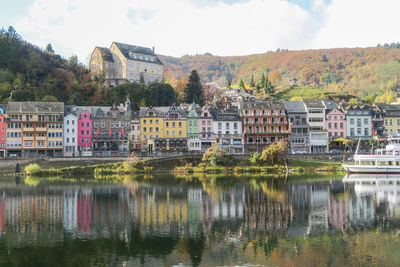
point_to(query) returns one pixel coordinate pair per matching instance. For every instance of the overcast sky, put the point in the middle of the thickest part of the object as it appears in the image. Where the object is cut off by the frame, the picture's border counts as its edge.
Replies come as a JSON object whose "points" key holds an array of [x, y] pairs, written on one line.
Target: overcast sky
{"points": [[221, 27]]}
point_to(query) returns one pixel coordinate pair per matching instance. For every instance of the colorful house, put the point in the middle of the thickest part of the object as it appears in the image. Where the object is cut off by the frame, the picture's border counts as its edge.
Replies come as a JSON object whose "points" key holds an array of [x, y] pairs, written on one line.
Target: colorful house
{"points": [[391, 118], [207, 135], [35, 129], [335, 120], [299, 138], [175, 130], [3, 133], [193, 127], [264, 122], [85, 133], [151, 127], [358, 122]]}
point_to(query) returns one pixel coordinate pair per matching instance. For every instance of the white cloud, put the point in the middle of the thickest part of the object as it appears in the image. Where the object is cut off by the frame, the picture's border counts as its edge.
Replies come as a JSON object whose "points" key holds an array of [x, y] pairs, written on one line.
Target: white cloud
{"points": [[178, 27], [174, 27], [358, 23]]}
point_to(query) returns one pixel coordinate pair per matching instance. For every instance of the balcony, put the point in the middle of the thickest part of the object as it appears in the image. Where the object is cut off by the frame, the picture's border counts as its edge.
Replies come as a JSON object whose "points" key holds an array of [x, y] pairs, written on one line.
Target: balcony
{"points": [[110, 138], [266, 132]]}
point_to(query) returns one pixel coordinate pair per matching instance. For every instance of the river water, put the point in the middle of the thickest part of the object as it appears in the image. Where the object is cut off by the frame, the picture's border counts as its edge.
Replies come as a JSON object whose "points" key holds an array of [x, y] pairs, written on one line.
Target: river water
{"points": [[201, 221]]}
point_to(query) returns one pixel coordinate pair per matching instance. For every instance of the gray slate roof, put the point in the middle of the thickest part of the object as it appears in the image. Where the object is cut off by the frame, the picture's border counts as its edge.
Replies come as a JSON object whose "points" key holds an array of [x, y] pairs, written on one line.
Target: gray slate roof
{"points": [[295, 107], [126, 48], [106, 53], [35, 107], [329, 104]]}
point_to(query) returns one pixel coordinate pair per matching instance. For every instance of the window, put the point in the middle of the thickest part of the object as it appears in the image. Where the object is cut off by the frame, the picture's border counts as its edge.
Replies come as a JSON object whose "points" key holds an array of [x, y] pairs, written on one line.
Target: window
{"points": [[341, 125], [351, 131], [358, 131], [167, 133], [67, 140], [366, 132], [180, 124], [351, 121], [330, 125], [180, 133], [167, 124], [358, 122], [173, 133], [365, 121], [335, 125]]}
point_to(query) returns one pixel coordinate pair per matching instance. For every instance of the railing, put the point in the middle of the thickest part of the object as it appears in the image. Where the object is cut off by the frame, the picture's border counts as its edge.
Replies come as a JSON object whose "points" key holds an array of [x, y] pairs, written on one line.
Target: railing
{"points": [[267, 132]]}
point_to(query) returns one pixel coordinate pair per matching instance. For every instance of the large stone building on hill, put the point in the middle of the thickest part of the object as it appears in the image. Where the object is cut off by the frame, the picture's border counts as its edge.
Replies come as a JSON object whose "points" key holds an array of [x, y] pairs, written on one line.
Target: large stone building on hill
{"points": [[126, 63]]}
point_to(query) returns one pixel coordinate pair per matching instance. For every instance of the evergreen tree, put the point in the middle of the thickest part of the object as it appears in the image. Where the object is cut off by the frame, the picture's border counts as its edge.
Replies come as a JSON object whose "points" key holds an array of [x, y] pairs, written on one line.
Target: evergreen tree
{"points": [[241, 84], [262, 82], [49, 49], [269, 88], [193, 89], [251, 82]]}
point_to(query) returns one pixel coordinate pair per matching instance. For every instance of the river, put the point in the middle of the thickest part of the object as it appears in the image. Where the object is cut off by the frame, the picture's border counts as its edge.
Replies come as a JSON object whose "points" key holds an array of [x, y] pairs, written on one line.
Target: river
{"points": [[200, 221]]}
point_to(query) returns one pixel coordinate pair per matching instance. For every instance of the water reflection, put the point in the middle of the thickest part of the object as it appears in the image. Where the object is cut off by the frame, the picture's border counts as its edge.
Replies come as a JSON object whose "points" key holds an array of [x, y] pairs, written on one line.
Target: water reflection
{"points": [[193, 221]]}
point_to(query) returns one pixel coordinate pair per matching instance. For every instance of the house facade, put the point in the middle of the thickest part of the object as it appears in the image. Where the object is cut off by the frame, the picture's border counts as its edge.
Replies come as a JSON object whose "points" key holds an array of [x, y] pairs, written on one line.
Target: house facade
{"points": [[70, 133], [316, 120], [391, 118], [3, 133], [227, 126], [359, 122], [35, 129], [207, 135], [299, 139], [126, 63], [110, 130], [85, 133], [264, 122], [134, 134], [193, 128], [174, 130]]}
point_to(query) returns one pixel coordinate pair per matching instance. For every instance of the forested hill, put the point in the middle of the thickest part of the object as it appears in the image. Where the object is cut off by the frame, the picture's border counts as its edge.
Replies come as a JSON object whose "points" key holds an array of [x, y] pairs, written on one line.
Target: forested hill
{"points": [[30, 74], [360, 71]]}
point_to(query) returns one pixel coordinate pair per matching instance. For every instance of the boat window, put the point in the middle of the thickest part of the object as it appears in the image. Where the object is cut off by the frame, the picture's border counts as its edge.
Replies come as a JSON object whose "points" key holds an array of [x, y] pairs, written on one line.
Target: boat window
{"points": [[390, 163], [382, 163], [396, 153], [373, 163], [397, 163]]}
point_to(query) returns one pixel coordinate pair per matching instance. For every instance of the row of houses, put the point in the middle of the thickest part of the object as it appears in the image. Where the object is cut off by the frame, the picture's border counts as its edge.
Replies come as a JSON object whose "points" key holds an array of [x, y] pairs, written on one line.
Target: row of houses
{"points": [[32, 129]]}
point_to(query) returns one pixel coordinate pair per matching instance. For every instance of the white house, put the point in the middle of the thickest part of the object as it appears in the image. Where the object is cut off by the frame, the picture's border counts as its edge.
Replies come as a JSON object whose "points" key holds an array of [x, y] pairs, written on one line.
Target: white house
{"points": [[316, 121], [70, 133], [228, 129]]}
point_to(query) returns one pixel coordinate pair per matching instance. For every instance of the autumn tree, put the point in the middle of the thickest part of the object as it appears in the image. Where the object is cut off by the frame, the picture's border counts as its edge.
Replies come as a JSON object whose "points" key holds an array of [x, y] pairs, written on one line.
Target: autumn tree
{"points": [[274, 77], [180, 89], [193, 91], [211, 93]]}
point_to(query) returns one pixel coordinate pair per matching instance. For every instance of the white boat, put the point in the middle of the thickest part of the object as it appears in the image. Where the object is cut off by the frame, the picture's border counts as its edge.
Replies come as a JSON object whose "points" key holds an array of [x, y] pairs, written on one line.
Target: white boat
{"points": [[385, 160]]}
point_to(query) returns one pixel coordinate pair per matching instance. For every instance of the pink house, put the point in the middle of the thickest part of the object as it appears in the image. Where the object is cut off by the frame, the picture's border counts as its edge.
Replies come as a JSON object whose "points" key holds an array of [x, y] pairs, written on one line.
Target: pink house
{"points": [[207, 135], [335, 123], [85, 131]]}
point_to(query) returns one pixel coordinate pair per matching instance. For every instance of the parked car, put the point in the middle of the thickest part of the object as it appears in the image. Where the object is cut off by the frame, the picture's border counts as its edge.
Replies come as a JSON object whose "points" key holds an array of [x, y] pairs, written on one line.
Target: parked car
{"points": [[335, 158], [336, 151]]}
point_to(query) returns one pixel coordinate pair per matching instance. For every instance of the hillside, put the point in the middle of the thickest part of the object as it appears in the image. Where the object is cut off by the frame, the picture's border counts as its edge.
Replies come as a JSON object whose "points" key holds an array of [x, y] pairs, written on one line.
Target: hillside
{"points": [[359, 71], [28, 73]]}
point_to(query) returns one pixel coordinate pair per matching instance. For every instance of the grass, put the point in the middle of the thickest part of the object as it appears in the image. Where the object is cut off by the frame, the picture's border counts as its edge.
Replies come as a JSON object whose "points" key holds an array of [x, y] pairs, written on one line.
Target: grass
{"points": [[314, 165], [305, 92]]}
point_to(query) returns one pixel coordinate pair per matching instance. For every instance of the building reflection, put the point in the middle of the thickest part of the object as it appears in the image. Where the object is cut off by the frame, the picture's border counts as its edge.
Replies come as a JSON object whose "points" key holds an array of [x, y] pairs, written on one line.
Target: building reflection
{"points": [[233, 213]]}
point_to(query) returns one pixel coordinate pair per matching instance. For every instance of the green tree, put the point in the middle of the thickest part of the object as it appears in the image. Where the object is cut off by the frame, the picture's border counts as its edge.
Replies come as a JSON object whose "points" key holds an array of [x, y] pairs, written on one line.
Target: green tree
{"points": [[251, 82], [241, 84], [193, 89], [269, 88], [262, 81], [49, 49]]}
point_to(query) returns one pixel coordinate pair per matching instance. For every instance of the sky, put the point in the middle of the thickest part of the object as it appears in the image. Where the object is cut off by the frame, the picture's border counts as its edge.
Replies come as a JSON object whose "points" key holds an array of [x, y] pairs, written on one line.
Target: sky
{"points": [[220, 27]]}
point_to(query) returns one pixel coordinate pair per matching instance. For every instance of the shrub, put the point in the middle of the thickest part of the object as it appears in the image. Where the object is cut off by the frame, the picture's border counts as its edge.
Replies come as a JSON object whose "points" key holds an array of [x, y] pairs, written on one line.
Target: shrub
{"points": [[215, 156], [32, 168], [274, 153]]}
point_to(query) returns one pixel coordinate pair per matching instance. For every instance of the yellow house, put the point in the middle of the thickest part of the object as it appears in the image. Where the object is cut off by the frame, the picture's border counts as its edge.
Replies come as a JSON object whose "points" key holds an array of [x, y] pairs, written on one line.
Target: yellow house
{"points": [[391, 116], [175, 123], [151, 127]]}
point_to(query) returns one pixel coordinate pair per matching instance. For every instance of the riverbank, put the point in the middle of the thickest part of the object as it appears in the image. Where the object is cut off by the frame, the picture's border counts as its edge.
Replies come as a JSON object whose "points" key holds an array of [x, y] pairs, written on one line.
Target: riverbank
{"points": [[187, 166]]}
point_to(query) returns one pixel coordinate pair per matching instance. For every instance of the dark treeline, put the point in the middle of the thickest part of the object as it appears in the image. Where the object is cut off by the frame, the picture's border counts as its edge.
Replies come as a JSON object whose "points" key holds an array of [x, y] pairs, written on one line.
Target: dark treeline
{"points": [[391, 45], [28, 73]]}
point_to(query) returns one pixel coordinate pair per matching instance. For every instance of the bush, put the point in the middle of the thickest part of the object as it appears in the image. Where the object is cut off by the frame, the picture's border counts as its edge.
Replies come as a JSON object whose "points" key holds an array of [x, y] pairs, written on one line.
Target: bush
{"points": [[215, 156], [274, 153], [32, 168]]}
